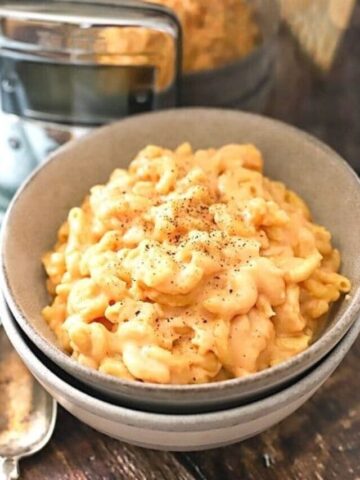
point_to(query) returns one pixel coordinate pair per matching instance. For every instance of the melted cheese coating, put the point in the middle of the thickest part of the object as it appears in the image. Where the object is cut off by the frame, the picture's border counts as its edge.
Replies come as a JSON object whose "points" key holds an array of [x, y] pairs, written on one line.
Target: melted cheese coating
{"points": [[190, 267]]}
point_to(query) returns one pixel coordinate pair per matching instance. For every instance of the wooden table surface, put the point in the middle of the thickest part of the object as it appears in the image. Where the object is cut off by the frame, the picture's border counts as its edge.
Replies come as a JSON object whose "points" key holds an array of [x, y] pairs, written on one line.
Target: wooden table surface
{"points": [[322, 439]]}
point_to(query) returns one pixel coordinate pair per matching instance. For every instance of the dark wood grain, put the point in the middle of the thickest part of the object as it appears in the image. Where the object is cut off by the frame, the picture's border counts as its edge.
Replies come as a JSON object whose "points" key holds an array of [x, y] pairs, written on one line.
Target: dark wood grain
{"points": [[319, 441]]}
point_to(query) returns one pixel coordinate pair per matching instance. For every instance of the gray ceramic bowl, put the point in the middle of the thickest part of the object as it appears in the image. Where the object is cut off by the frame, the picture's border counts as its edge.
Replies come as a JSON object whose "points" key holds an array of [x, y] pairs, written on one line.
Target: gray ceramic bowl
{"points": [[172, 432], [313, 170]]}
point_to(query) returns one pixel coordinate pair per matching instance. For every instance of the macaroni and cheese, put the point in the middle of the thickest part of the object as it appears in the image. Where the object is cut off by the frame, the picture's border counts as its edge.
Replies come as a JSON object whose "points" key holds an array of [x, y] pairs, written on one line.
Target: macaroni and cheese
{"points": [[190, 267]]}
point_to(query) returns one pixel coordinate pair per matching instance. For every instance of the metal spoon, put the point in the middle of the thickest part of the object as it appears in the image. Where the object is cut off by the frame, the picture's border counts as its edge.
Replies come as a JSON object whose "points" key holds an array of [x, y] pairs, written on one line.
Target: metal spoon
{"points": [[27, 412]]}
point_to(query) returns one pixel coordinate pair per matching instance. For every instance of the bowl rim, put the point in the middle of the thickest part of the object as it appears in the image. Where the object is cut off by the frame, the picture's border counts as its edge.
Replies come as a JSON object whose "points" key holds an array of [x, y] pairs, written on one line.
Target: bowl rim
{"points": [[310, 383], [330, 337]]}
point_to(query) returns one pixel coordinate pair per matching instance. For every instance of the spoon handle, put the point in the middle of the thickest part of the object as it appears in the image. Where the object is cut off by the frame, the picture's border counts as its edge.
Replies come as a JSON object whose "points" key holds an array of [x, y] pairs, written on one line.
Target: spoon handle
{"points": [[9, 468]]}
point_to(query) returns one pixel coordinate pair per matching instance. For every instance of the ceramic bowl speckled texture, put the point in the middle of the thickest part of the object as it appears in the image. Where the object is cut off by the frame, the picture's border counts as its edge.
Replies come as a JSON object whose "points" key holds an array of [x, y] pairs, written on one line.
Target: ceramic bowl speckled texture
{"points": [[172, 432], [317, 173]]}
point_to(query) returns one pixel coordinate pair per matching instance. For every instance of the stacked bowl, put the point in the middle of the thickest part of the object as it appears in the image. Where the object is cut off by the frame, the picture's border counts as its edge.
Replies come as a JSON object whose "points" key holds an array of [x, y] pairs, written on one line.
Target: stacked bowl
{"points": [[176, 417]]}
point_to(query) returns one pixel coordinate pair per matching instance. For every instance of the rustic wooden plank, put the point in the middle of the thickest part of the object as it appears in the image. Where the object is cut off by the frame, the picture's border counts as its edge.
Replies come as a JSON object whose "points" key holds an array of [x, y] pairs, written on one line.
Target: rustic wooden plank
{"points": [[77, 452]]}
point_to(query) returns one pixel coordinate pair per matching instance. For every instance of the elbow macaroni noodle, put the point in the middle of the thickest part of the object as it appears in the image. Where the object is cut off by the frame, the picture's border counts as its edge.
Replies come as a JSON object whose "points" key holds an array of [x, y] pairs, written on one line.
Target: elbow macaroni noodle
{"points": [[190, 267]]}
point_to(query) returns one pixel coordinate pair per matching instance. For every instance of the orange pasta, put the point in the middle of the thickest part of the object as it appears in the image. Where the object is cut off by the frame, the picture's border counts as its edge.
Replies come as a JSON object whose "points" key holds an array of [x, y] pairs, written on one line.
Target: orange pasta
{"points": [[188, 267]]}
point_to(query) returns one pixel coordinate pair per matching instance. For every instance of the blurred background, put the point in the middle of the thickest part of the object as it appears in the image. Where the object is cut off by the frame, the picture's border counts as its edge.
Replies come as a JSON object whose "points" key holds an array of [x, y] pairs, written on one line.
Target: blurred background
{"points": [[67, 67]]}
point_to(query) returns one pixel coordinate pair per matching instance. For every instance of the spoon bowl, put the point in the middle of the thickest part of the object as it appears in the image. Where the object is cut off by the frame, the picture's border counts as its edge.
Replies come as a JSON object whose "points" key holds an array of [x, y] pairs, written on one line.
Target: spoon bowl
{"points": [[27, 415]]}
